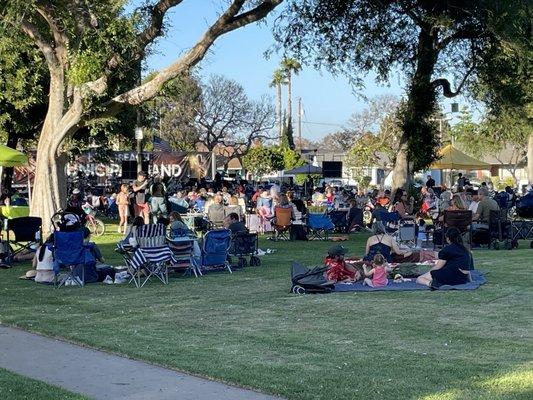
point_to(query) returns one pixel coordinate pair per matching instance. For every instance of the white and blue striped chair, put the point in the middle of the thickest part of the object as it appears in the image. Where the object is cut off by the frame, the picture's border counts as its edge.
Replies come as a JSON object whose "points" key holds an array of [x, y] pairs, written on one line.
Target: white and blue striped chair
{"points": [[153, 255]]}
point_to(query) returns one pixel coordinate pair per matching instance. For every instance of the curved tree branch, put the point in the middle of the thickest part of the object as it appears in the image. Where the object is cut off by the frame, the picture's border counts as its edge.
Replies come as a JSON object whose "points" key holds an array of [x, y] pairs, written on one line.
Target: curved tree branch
{"points": [[228, 21], [46, 48], [155, 26], [60, 39], [446, 86]]}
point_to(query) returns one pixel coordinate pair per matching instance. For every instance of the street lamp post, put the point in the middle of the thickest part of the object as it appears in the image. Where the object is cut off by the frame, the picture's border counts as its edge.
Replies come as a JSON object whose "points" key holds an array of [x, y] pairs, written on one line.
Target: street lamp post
{"points": [[139, 138]]}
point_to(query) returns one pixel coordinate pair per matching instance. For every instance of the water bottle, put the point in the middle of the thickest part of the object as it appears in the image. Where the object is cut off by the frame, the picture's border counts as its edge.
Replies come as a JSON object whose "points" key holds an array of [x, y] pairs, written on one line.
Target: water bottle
{"points": [[38, 236]]}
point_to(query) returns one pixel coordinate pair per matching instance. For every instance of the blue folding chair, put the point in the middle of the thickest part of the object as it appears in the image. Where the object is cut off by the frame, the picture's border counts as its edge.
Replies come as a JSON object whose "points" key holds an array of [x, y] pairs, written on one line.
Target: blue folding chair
{"points": [[215, 250], [319, 226], [70, 254], [389, 220]]}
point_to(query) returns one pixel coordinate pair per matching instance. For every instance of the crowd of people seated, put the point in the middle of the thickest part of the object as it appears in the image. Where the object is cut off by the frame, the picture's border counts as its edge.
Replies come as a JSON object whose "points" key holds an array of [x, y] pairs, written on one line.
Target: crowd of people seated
{"points": [[151, 198], [226, 204]]}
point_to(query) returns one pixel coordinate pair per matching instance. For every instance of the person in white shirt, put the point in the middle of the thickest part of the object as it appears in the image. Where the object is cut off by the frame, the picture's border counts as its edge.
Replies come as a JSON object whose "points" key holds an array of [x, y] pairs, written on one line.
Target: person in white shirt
{"points": [[474, 202]]}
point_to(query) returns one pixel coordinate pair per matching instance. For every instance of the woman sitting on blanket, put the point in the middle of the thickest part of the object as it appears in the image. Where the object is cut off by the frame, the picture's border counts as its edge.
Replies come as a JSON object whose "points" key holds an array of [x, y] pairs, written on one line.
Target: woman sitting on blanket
{"points": [[453, 265], [338, 270], [384, 244]]}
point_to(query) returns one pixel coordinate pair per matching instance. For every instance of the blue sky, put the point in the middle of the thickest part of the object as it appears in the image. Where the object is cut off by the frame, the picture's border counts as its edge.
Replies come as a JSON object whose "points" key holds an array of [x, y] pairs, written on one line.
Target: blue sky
{"points": [[328, 101]]}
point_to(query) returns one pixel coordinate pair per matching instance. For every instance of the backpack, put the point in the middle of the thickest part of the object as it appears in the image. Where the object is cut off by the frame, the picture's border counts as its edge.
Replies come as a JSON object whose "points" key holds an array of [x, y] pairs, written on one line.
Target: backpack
{"points": [[502, 199]]}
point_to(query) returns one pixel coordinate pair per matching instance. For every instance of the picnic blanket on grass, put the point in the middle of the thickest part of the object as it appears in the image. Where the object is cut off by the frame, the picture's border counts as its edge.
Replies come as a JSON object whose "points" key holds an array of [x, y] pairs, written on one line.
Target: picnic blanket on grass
{"points": [[478, 279]]}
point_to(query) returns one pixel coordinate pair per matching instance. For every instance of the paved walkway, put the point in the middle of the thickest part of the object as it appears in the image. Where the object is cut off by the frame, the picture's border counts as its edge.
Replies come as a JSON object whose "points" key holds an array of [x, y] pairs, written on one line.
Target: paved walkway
{"points": [[100, 375]]}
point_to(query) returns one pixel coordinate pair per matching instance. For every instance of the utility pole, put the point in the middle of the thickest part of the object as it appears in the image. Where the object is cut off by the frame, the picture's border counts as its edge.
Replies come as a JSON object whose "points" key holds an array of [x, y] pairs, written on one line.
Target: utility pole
{"points": [[300, 123], [213, 163]]}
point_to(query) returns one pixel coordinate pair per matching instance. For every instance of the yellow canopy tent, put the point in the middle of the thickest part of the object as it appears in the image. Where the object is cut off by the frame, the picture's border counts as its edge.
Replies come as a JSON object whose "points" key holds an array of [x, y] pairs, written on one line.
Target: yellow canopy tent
{"points": [[13, 158], [452, 158]]}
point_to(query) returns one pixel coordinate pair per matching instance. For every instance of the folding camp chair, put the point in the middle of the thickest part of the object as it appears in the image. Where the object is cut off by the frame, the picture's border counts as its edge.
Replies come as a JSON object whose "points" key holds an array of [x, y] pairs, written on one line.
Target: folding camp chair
{"points": [[390, 220], [152, 255], [215, 250], [183, 250], [27, 232], [460, 219], [318, 226], [281, 223], [407, 232], [70, 254], [340, 220]]}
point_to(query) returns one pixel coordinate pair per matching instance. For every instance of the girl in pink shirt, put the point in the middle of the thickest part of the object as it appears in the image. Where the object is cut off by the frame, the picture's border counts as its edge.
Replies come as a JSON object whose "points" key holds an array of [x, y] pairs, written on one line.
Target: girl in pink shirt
{"points": [[378, 272]]}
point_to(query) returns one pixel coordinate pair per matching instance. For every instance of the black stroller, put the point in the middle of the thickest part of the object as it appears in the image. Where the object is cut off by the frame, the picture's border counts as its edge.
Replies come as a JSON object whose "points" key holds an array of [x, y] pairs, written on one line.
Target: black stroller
{"points": [[305, 280], [244, 244], [501, 230]]}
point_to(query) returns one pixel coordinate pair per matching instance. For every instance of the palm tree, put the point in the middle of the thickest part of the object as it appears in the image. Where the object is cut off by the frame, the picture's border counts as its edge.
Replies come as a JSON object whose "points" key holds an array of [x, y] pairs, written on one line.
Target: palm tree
{"points": [[290, 66], [278, 79]]}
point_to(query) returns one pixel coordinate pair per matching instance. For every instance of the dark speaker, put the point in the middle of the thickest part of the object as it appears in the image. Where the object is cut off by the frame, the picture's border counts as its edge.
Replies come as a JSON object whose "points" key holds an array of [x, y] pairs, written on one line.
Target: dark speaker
{"points": [[332, 169], [129, 169]]}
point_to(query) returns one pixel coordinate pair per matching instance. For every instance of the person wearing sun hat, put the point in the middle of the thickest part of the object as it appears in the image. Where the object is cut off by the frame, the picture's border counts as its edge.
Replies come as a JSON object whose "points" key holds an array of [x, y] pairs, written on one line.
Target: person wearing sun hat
{"points": [[338, 270], [75, 200]]}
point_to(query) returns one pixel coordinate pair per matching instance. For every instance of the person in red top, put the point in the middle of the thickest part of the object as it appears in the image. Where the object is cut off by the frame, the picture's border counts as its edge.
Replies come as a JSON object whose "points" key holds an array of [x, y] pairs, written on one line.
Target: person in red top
{"points": [[383, 198], [338, 270], [330, 196]]}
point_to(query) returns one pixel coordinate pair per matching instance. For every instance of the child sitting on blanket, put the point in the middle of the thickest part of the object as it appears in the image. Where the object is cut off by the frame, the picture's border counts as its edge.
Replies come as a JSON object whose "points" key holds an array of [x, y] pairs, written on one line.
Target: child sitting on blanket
{"points": [[338, 270], [378, 272]]}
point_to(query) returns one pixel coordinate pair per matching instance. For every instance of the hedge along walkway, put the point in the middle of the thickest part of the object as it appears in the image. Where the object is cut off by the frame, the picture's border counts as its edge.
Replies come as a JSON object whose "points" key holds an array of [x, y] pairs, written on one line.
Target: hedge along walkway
{"points": [[101, 375]]}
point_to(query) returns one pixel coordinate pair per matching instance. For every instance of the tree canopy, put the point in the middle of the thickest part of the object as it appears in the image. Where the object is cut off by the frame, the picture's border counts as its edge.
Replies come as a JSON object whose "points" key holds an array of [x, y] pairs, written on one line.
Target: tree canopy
{"points": [[430, 42], [93, 51]]}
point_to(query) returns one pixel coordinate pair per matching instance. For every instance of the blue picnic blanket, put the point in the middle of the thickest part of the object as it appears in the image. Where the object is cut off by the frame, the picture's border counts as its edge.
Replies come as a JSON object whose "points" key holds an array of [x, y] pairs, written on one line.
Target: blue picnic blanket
{"points": [[478, 279]]}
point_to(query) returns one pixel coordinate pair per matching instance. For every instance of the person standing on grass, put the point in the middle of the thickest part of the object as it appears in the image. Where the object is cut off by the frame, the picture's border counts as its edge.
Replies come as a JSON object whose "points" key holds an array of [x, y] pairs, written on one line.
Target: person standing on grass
{"points": [[142, 209], [453, 265], [157, 201], [122, 203]]}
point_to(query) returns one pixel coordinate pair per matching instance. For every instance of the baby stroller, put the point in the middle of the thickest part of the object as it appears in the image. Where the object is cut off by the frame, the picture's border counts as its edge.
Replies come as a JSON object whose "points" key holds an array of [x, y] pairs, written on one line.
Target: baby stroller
{"points": [[501, 231], [305, 280], [68, 220], [245, 244]]}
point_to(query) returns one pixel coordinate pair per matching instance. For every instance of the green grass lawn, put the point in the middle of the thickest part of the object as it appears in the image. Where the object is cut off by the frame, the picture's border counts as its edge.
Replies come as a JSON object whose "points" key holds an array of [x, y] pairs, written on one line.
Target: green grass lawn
{"points": [[17, 387], [246, 328]]}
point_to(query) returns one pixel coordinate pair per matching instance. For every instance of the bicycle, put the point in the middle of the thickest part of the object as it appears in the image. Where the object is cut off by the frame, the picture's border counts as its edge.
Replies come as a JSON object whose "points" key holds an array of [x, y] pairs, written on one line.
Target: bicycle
{"points": [[95, 225]]}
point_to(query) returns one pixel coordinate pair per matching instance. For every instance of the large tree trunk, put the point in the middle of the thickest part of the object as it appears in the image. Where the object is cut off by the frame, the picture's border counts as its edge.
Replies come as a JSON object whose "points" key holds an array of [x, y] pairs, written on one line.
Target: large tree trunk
{"points": [[49, 192], [63, 120], [530, 159], [418, 109], [400, 173]]}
